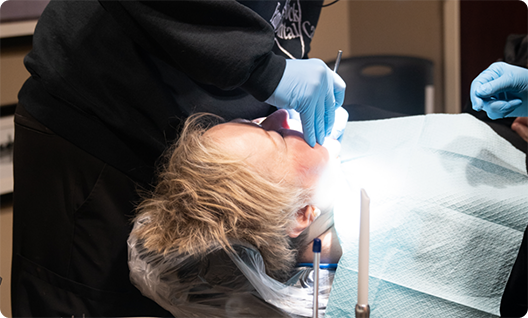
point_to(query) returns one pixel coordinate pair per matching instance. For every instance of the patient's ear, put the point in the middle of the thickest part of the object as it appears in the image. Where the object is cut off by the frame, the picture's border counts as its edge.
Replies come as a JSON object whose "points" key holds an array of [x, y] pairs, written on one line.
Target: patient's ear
{"points": [[305, 217]]}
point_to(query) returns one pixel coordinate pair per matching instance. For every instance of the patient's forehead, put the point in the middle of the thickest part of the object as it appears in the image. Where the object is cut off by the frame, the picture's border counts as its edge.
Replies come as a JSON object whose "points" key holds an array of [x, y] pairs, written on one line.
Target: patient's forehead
{"points": [[239, 137], [281, 155], [250, 143]]}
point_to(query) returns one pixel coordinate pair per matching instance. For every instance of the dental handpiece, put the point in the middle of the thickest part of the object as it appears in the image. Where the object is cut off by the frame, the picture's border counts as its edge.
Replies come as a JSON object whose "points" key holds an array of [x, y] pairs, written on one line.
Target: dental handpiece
{"points": [[317, 258], [362, 306]]}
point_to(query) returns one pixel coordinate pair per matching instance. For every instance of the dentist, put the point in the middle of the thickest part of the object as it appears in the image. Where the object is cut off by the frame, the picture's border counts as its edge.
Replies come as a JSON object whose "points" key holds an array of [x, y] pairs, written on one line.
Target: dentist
{"points": [[111, 84]]}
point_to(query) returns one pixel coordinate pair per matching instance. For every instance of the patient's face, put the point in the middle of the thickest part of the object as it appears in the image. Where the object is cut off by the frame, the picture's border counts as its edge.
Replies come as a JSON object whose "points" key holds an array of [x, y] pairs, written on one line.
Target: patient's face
{"points": [[273, 148]]}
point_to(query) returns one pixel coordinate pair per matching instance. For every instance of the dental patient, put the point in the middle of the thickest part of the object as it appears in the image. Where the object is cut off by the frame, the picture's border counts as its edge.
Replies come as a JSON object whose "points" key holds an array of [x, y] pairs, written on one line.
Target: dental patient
{"points": [[233, 193], [237, 205]]}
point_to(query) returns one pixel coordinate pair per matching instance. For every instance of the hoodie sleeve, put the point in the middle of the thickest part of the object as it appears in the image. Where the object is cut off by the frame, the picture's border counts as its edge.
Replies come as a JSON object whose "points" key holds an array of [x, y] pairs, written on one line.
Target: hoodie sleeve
{"points": [[220, 43]]}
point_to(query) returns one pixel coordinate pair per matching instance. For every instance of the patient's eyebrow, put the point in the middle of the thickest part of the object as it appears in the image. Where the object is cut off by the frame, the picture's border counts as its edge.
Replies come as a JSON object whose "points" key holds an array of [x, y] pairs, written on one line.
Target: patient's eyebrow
{"points": [[245, 121], [254, 124]]}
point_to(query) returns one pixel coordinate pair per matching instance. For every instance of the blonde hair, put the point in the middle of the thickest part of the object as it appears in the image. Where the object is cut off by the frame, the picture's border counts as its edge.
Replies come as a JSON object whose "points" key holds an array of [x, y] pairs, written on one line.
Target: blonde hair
{"points": [[206, 196]]}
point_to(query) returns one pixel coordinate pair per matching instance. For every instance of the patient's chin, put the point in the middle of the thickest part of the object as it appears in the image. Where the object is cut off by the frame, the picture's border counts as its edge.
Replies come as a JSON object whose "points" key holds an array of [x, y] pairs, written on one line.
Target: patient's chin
{"points": [[327, 186], [333, 147]]}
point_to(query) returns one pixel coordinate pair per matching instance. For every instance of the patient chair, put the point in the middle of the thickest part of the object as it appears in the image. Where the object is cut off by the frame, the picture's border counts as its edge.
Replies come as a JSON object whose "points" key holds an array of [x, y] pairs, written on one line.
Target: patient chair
{"points": [[400, 84], [222, 284]]}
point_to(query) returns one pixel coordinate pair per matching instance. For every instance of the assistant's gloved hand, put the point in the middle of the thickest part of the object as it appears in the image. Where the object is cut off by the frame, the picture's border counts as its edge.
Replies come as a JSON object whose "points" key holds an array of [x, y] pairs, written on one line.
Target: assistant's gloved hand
{"points": [[501, 90], [315, 91]]}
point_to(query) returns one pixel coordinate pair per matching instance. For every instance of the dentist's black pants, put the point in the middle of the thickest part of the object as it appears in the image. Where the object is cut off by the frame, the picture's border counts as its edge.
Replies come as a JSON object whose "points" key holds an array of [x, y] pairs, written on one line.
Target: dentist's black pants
{"points": [[71, 222]]}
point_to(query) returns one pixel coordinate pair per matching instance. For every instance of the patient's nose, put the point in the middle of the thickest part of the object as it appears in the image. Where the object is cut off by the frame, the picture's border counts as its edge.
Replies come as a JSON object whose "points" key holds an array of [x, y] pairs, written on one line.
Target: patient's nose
{"points": [[276, 121]]}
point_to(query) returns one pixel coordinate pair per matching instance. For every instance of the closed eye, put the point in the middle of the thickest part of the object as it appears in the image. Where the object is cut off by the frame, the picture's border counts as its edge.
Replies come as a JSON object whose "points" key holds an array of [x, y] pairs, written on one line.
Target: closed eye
{"points": [[247, 122]]}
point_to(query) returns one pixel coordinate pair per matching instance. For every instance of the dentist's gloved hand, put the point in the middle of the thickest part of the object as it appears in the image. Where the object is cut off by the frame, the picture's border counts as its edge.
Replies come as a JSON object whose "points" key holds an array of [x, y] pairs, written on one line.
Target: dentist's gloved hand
{"points": [[501, 90], [333, 141], [313, 90], [340, 122]]}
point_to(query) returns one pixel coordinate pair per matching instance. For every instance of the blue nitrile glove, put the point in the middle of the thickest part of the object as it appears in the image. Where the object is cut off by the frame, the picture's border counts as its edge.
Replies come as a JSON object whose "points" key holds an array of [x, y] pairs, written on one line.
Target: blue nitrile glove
{"points": [[340, 122], [501, 90], [315, 91]]}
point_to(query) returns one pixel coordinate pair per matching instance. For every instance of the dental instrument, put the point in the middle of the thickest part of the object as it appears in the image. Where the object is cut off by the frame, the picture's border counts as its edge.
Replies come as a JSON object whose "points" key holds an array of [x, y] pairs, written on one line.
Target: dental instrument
{"points": [[338, 60], [362, 307], [317, 258]]}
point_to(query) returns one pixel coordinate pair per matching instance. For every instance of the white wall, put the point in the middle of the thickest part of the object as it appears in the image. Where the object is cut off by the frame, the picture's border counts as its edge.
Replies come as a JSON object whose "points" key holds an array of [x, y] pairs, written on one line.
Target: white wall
{"points": [[402, 27], [13, 73], [333, 32]]}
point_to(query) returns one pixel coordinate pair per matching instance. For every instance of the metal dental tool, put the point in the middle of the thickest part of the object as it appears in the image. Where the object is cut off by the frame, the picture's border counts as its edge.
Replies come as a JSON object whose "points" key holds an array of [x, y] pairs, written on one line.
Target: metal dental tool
{"points": [[317, 242], [338, 60], [317, 258], [362, 307]]}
